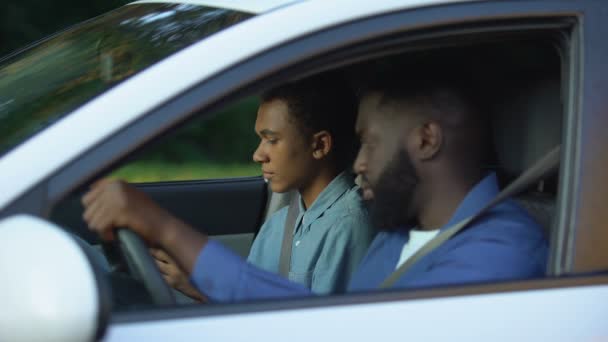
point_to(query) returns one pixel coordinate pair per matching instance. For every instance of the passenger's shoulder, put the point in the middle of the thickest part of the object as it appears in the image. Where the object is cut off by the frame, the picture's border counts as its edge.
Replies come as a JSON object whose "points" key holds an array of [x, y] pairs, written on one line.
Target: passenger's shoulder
{"points": [[349, 204], [506, 240], [352, 212], [350, 217], [277, 218]]}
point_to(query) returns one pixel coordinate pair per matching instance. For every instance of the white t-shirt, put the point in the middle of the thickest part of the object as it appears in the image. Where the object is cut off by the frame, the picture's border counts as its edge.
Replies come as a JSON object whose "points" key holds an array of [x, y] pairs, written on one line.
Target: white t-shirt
{"points": [[418, 238]]}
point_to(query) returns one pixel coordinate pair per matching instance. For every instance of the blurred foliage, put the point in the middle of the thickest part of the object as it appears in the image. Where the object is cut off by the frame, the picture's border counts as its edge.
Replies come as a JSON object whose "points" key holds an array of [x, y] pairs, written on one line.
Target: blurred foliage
{"points": [[213, 146], [145, 171], [40, 85], [217, 145], [25, 21], [226, 136]]}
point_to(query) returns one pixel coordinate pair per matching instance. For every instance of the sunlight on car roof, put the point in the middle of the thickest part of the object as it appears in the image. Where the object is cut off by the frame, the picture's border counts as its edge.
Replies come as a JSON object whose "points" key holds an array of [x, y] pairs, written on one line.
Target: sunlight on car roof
{"points": [[251, 6]]}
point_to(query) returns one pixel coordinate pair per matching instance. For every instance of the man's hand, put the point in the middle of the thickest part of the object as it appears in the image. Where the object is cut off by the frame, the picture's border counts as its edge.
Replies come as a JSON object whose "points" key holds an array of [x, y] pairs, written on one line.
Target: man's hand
{"points": [[174, 275], [114, 204]]}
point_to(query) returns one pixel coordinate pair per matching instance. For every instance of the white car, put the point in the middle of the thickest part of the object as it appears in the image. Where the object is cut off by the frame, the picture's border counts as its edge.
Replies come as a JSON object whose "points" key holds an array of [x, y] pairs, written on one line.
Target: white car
{"points": [[89, 99]]}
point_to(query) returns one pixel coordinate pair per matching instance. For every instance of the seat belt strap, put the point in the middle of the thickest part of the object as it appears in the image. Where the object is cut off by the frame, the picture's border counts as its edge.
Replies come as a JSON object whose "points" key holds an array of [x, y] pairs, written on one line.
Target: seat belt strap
{"points": [[290, 227], [546, 164]]}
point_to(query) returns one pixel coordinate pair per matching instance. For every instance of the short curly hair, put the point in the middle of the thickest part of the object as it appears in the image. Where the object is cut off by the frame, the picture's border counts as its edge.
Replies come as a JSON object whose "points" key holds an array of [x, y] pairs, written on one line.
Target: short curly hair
{"points": [[322, 102]]}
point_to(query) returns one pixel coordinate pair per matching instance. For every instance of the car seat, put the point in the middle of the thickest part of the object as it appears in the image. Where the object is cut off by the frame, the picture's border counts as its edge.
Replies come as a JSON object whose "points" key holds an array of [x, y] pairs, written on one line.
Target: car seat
{"points": [[527, 123]]}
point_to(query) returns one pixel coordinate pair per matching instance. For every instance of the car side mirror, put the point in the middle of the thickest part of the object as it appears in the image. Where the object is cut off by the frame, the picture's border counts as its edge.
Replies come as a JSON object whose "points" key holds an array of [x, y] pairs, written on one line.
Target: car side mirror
{"points": [[50, 288]]}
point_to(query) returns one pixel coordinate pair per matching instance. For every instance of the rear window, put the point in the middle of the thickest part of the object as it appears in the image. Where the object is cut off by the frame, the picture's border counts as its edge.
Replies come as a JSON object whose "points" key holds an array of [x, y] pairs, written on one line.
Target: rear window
{"points": [[49, 80]]}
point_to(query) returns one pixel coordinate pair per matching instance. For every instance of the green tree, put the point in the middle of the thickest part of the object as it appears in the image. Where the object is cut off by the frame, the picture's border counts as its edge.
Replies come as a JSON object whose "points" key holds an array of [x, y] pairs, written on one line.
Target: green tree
{"points": [[25, 21]]}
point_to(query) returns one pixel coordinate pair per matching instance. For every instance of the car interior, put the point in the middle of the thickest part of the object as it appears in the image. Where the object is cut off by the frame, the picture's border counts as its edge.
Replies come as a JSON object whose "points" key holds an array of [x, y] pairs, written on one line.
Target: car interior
{"points": [[522, 87]]}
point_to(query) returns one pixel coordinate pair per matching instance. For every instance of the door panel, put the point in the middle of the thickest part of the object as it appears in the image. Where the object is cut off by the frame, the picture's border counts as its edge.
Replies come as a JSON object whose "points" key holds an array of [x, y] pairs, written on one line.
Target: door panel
{"points": [[538, 315], [230, 209]]}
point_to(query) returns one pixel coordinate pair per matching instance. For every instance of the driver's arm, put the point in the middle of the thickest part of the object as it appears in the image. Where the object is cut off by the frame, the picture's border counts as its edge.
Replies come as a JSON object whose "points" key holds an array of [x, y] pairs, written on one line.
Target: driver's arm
{"points": [[112, 204], [218, 273], [225, 277]]}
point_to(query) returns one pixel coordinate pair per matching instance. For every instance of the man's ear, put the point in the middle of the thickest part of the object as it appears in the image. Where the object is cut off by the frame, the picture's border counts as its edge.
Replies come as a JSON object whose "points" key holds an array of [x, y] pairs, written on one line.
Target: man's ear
{"points": [[428, 139], [322, 143]]}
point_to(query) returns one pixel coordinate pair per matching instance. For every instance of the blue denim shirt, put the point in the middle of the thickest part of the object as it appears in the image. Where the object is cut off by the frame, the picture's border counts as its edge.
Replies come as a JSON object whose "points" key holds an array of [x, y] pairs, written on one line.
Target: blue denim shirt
{"points": [[330, 239], [504, 244]]}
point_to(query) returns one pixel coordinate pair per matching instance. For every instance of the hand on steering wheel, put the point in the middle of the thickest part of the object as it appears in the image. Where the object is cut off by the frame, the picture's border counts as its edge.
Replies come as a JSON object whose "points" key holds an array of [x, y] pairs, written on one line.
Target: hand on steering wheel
{"points": [[174, 275], [143, 267], [113, 204]]}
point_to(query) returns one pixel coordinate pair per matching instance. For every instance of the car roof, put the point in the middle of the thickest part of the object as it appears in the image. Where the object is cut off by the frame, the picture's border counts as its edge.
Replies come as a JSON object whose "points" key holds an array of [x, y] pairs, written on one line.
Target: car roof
{"points": [[263, 6], [250, 6]]}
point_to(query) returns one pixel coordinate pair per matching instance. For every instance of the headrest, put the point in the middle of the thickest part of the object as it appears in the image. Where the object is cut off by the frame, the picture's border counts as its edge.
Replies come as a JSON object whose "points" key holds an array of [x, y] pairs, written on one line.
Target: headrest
{"points": [[527, 124]]}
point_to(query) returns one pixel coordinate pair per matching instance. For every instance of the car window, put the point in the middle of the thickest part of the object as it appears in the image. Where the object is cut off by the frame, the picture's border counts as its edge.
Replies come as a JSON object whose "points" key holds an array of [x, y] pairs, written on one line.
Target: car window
{"points": [[213, 139], [219, 145], [513, 70], [45, 82]]}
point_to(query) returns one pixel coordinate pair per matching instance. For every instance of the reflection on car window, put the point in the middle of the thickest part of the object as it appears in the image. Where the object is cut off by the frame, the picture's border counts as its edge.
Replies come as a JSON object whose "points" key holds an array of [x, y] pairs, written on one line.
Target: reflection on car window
{"points": [[40, 85], [220, 146]]}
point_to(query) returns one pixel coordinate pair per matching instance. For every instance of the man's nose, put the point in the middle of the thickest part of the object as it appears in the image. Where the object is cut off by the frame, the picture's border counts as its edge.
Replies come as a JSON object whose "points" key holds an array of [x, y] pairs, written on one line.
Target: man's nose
{"points": [[360, 164], [259, 156]]}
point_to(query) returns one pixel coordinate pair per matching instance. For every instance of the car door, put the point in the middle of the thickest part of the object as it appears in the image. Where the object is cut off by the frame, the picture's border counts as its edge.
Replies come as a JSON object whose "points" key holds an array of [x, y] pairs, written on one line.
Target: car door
{"points": [[536, 309], [526, 309]]}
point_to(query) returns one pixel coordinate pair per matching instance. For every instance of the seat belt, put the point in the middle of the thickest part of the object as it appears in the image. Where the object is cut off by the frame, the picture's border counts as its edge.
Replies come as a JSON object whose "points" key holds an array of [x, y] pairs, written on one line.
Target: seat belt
{"points": [[548, 163], [288, 231]]}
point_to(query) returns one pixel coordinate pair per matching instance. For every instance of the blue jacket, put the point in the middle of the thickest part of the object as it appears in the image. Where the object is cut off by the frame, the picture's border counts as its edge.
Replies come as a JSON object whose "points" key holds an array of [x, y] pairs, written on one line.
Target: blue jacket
{"points": [[504, 244]]}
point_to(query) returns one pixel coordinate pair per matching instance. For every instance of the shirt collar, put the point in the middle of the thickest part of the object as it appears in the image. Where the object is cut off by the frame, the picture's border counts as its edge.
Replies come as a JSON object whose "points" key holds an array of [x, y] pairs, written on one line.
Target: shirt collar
{"points": [[332, 192], [475, 200]]}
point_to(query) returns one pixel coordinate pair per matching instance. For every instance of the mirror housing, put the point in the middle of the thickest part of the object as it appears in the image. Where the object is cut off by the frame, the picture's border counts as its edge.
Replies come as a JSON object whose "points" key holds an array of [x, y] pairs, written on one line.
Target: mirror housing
{"points": [[51, 291]]}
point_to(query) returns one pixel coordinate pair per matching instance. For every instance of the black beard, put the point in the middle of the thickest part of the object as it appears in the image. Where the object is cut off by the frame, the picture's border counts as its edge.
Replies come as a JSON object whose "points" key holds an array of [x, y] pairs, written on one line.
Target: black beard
{"points": [[391, 207]]}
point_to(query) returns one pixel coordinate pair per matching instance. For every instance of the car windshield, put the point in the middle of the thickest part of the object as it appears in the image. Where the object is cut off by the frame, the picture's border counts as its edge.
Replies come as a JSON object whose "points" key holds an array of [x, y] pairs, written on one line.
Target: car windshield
{"points": [[52, 78]]}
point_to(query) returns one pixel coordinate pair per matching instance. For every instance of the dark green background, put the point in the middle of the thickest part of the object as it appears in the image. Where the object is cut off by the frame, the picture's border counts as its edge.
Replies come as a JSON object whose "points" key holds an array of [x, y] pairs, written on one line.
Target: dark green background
{"points": [[25, 21], [215, 148]]}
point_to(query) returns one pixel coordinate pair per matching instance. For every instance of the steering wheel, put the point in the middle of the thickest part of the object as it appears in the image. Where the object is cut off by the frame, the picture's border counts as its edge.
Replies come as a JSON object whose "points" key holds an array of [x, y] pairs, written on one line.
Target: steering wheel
{"points": [[142, 266]]}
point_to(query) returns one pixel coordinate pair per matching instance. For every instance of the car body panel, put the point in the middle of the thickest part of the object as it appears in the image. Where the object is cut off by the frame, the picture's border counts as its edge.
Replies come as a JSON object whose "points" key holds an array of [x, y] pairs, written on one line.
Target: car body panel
{"points": [[564, 314], [588, 131]]}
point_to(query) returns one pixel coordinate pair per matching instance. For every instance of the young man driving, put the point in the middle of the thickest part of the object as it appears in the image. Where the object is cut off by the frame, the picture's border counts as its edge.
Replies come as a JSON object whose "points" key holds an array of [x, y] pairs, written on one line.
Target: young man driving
{"points": [[306, 144]]}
